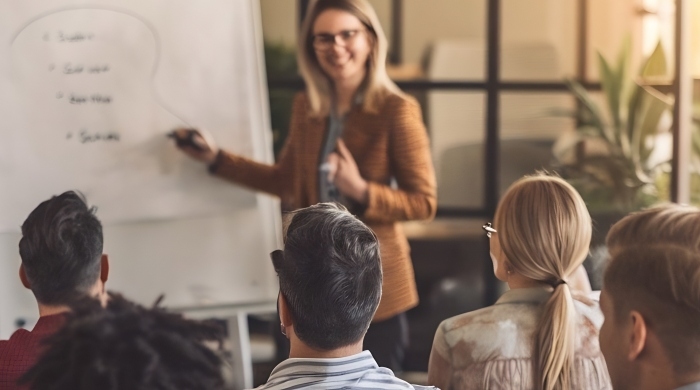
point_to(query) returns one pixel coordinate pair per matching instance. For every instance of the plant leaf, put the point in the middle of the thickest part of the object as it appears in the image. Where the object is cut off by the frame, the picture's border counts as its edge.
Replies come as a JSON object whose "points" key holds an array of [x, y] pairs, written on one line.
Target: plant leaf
{"points": [[596, 118], [612, 87], [655, 65]]}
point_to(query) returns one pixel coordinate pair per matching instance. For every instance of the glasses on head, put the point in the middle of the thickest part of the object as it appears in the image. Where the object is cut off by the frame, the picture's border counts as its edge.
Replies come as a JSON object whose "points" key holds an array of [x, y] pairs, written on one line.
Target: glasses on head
{"points": [[488, 228], [325, 41]]}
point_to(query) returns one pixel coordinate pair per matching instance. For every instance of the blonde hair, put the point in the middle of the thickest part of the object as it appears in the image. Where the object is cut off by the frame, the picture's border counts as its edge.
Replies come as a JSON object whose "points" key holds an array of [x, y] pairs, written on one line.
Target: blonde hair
{"points": [[377, 84], [661, 281], [545, 231], [665, 224]]}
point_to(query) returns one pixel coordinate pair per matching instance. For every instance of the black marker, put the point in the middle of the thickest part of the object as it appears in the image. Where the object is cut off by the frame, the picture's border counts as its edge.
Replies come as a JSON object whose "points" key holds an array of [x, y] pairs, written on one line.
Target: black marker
{"points": [[187, 140]]}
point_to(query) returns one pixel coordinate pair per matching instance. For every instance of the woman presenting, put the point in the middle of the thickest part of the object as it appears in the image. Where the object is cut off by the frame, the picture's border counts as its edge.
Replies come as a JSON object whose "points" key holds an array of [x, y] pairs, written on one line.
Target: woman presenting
{"points": [[356, 139]]}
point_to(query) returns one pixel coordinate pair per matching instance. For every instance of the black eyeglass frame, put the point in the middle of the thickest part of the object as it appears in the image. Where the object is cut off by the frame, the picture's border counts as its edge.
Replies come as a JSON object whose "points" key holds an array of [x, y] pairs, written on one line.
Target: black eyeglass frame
{"points": [[325, 41]]}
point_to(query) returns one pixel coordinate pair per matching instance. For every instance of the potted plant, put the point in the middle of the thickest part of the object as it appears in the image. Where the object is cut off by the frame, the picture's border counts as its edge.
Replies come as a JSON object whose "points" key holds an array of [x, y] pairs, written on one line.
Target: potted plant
{"points": [[615, 158]]}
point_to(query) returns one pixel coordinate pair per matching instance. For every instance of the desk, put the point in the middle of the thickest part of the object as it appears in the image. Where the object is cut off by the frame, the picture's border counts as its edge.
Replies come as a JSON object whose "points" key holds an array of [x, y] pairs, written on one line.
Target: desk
{"points": [[236, 316]]}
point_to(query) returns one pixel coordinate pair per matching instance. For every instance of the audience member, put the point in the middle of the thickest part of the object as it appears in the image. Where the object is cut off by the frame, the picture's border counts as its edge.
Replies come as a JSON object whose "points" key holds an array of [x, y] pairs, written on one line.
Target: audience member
{"points": [[330, 285], [126, 347], [62, 260], [541, 334], [651, 300], [666, 224]]}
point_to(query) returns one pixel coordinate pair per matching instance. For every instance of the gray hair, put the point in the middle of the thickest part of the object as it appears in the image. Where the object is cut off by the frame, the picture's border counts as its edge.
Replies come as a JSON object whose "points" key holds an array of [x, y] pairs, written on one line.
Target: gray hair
{"points": [[330, 275]]}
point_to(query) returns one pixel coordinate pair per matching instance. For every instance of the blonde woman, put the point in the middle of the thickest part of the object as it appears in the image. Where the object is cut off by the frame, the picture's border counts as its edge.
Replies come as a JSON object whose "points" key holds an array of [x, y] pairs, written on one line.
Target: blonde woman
{"points": [[354, 138], [540, 334]]}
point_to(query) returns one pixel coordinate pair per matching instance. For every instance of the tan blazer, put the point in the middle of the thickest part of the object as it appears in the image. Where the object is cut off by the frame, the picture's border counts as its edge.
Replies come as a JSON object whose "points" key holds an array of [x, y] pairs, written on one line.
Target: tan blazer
{"points": [[392, 143]]}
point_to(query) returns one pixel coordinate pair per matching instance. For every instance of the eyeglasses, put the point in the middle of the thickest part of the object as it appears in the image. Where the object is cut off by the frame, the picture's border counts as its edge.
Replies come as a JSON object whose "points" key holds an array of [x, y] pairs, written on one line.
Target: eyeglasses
{"points": [[326, 41], [488, 228]]}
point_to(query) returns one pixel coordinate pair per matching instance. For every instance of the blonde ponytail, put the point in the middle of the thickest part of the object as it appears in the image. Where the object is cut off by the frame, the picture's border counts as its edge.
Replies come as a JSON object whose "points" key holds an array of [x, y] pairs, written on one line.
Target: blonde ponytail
{"points": [[554, 341], [545, 231]]}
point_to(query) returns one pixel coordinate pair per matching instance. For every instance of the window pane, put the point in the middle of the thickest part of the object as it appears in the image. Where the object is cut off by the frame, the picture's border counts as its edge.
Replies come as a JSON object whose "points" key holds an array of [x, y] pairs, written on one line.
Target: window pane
{"points": [[531, 123], [539, 39], [456, 123], [610, 24], [443, 40]]}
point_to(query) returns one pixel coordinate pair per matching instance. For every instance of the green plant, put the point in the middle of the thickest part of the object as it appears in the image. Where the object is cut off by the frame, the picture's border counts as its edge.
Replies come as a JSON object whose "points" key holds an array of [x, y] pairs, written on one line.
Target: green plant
{"points": [[621, 173]]}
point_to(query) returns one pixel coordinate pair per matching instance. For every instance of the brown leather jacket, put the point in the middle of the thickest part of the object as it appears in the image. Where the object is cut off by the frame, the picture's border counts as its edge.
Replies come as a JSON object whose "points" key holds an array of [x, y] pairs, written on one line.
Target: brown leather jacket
{"points": [[391, 143]]}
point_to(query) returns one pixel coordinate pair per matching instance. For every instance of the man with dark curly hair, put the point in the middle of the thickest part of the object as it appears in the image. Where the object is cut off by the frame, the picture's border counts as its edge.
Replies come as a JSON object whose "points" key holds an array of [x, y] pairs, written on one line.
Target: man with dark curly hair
{"points": [[62, 260], [124, 346]]}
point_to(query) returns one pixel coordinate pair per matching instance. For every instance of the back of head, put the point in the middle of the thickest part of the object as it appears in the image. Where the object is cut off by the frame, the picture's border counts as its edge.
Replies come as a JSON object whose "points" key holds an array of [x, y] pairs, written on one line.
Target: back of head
{"points": [[318, 85], [330, 276], [61, 247], [667, 224], [125, 347], [545, 231], [661, 282]]}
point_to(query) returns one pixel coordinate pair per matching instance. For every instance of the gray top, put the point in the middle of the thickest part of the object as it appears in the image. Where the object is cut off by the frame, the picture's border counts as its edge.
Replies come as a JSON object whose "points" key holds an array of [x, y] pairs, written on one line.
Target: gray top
{"points": [[328, 192]]}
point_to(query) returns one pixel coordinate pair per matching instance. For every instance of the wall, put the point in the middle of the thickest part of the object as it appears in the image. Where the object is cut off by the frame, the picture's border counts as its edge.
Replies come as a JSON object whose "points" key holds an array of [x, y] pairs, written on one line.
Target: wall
{"points": [[280, 19]]}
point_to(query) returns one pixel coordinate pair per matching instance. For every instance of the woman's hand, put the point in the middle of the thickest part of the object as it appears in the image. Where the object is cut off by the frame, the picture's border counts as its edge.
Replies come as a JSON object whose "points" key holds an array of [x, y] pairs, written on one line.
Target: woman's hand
{"points": [[345, 174], [197, 144]]}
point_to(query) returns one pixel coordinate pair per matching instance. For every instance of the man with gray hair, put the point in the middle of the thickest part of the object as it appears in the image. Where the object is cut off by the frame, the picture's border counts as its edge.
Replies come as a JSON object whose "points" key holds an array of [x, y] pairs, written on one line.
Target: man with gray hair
{"points": [[330, 283]]}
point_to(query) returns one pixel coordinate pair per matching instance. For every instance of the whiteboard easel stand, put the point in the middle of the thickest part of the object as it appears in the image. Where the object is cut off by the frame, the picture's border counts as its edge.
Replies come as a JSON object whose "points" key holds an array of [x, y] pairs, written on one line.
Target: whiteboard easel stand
{"points": [[236, 316]]}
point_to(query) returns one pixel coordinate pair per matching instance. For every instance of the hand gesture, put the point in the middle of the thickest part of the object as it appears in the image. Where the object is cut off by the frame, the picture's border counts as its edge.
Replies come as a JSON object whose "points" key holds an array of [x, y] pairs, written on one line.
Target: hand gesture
{"points": [[345, 175], [196, 143]]}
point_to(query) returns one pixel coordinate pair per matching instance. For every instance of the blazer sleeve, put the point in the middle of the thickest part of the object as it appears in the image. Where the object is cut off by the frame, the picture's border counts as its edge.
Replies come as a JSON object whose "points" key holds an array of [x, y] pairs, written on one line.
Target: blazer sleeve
{"points": [[276, 179], [409, 156]]}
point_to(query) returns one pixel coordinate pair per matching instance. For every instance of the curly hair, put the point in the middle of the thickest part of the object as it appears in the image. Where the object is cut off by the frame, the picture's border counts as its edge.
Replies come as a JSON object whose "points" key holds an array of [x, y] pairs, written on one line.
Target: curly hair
{"points": [[127, 346]]}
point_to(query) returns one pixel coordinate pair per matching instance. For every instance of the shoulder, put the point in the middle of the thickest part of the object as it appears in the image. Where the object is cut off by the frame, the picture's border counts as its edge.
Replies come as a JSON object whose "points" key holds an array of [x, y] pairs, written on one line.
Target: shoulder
{"points": [[399, 103], [21, 343], [492, 316], [501, 331], [589, 311]]}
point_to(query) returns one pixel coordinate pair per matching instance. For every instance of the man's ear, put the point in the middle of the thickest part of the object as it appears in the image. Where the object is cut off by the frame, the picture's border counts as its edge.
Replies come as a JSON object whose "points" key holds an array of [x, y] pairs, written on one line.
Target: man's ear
{"points": [[104, 268], [285, 315], [23, 278], [638, 336]]}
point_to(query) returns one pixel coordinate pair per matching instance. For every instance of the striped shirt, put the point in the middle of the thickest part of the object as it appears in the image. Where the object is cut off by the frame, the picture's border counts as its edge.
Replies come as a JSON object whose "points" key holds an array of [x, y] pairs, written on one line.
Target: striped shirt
{"points": [[358, 371]]}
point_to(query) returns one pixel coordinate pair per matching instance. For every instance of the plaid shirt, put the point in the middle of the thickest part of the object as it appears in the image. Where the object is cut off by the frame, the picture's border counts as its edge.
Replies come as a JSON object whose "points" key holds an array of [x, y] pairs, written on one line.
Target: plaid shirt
{"points": [[22, 350]]}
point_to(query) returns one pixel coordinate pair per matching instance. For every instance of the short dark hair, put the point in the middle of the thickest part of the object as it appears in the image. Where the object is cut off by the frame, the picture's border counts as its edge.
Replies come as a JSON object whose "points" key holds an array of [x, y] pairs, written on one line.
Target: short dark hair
{"points": [[61, 248], [126, 346], [662, 282], [330, 275]]}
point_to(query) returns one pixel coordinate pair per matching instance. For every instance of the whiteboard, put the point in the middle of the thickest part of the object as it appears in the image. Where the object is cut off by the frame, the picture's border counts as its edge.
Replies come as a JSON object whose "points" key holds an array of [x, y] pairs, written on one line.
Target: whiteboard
{"points": [[88, 92]]}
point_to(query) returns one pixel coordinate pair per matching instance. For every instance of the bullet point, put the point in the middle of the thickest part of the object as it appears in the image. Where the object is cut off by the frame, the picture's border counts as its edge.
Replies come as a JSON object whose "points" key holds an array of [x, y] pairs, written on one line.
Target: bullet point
{"points": [[59, 95]]}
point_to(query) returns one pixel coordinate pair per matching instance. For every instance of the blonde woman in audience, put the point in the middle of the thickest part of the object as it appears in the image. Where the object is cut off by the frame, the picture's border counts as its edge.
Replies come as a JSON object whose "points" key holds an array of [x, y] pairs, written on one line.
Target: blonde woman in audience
{"points": [[542, 333], [651, 300]]}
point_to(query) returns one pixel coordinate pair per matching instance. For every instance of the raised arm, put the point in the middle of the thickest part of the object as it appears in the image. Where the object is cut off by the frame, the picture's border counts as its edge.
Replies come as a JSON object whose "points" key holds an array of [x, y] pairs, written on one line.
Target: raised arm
{"points": [[277, 179]]}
